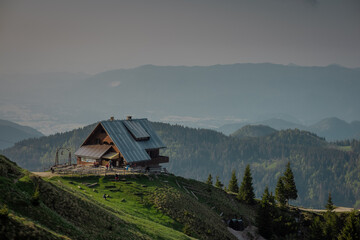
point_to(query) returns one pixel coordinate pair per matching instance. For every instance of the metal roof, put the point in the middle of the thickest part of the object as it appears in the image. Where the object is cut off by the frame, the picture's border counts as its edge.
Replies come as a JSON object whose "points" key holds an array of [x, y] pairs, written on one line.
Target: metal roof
{"points": [[154, 141], [111, 155], [131, 149], [92, 151]]}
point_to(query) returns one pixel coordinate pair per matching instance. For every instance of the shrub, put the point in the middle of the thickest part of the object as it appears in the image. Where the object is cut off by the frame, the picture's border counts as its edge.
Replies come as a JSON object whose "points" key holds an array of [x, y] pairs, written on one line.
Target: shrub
{"points": [[35, 199], [187, 229], [4, 212]]}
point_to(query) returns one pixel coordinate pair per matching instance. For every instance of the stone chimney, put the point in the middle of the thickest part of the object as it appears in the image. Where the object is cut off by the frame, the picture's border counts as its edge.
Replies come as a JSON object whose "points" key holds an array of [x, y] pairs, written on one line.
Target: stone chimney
{"points": [[111, 118], [128, 118]]}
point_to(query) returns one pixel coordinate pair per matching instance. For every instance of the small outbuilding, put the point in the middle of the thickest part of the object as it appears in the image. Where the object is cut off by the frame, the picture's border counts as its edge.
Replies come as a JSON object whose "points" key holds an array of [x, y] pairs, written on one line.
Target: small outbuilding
{"points": [[120, 143]]}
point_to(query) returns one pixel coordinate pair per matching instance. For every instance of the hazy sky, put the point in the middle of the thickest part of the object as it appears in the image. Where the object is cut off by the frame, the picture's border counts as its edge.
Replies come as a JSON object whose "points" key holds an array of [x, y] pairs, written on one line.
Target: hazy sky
{"points": [[94, 36]]}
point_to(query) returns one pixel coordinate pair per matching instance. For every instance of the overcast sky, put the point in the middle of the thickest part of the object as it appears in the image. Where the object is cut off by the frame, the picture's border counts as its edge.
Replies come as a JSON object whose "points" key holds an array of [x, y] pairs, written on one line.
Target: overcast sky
{"points": [[94, 36]]}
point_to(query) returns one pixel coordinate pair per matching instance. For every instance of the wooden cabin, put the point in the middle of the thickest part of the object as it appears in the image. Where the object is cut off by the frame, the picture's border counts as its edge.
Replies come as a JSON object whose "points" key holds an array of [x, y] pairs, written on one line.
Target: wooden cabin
{"points": [[122, 142]]}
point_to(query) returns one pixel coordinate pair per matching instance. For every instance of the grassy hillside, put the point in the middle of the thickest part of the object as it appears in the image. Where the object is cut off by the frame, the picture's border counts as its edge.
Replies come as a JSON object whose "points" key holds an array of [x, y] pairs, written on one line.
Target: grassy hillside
{"points": [[138, 207], [142, 207]]}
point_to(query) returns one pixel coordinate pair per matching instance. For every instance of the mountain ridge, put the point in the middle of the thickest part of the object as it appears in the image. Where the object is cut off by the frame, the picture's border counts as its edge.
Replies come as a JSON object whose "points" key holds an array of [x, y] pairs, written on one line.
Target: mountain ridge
{"points": [[222, 93], [331, 128], [253, 131], [12, 132], [194, 153]]}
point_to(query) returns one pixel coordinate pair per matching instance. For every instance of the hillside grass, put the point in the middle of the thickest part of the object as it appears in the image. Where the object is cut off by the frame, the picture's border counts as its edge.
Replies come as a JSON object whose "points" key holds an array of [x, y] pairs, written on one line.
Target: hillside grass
{"points": [[153, 200], [64, 213], [139, 207]]}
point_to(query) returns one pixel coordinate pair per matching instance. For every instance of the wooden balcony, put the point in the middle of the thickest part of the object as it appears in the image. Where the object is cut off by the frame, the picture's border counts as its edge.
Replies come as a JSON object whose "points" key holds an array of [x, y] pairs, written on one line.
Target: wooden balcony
{"points": [[160, 159]]}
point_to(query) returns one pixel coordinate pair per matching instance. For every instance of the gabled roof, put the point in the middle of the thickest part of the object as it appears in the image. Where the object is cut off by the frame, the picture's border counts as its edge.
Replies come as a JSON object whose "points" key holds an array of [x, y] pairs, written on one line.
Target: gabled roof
{"points": [[132, 138]]}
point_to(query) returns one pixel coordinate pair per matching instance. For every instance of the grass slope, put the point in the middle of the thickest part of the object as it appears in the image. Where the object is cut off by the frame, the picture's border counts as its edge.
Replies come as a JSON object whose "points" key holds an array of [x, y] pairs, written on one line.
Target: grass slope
{"points": [[66, 214], [139, 207]]}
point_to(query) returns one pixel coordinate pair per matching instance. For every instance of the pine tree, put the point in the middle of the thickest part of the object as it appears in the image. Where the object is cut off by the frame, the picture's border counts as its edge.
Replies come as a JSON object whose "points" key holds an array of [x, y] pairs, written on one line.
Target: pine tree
{"points": [[331, 226], [316, 231], [266, 195], [209, 180], [329, 205], [272, 199], [289, 184], [218, 184], [246, 191], [264, 218], [280, 192], [351, 230], [233, 184]]}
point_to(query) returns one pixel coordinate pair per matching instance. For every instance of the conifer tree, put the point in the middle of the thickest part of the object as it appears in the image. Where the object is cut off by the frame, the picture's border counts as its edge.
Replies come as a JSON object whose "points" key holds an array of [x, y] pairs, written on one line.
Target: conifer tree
{"points": [[351, 229], [246, 191], [331, 226], [272, 199], [329, 205], [218, 184], [280, 192], [289, 184], [266, 195], [264, 218], [316, 232], [233, 184], [209, 180]]}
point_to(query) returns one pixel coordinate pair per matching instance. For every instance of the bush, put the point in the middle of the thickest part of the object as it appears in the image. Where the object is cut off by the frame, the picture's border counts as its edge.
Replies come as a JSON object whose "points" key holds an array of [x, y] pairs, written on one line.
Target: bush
{"points": [[4, 212], [35, 199], [187, 229]]}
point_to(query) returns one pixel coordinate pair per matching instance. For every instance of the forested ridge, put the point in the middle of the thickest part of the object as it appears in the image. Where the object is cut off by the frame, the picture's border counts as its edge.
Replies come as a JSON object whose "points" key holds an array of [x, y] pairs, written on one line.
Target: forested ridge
{"points": [[253, 131], [319, 167]]}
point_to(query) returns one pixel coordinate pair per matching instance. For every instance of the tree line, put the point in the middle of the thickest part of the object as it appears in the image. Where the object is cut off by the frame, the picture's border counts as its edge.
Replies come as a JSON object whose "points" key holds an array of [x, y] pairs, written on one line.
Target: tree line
{"points": [[272, 219], [317, 165]]}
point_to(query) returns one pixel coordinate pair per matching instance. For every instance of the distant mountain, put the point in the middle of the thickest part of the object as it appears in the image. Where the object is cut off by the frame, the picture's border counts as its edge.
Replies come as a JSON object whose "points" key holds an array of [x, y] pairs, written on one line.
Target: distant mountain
{"points": [[332, 129], [253, 131], [199, 96], [11, 133], [236, 90], [336, 129], [276, 123], [230, 128], [280, 124]]}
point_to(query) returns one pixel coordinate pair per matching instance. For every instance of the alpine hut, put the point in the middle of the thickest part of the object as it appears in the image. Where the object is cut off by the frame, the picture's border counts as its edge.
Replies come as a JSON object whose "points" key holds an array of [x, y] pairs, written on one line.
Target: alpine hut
{"points": [[122, 142]]}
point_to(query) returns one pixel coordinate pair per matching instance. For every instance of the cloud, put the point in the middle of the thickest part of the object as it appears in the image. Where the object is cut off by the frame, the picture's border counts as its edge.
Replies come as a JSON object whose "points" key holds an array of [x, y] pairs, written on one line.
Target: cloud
{"points": [[174, 118], [115, 84], [236, 120]]}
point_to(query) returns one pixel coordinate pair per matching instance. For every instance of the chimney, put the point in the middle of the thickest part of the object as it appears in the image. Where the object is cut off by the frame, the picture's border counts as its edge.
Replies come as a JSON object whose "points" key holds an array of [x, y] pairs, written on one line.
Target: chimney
{"points": [[111, 118], [128, 118]]}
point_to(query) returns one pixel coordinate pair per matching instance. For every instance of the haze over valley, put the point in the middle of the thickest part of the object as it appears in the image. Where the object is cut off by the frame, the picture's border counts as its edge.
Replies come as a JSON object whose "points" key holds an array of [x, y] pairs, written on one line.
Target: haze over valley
{"points": [[168, 119], [206, 97]]}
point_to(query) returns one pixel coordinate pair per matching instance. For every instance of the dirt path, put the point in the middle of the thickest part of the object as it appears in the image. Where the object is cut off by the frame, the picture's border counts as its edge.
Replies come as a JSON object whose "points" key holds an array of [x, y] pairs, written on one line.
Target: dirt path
{"points": [[237, 234], [338, 209], [249, 233], [45, 174]]}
